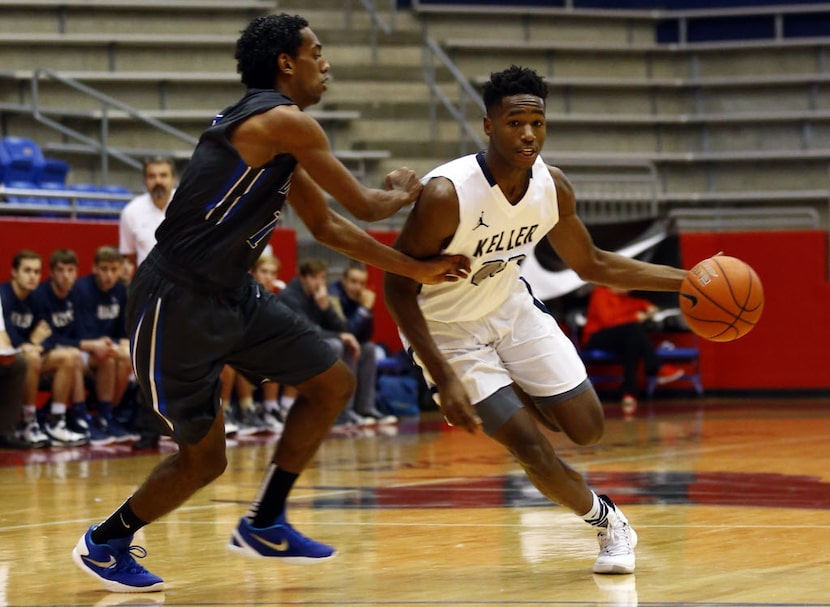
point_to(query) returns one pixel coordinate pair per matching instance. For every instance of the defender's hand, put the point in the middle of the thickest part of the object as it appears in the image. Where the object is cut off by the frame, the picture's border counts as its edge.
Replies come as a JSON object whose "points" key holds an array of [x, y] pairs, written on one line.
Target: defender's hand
{"points": [[405, 180], [443, 268]]}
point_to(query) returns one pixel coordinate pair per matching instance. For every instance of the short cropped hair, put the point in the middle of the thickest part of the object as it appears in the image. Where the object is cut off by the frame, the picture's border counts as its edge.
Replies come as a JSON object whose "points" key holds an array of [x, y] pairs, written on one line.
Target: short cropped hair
{"points": [[312, 266], [267, 258], [265, 39], [159, 160], [514, 80], [64, 256], [107, 253], [354, 265], [22, 255]]}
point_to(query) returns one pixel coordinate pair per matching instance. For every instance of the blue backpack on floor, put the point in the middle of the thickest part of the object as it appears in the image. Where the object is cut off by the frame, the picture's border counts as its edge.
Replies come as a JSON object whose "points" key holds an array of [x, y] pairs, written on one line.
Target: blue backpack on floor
{"points": [[398, 395]]}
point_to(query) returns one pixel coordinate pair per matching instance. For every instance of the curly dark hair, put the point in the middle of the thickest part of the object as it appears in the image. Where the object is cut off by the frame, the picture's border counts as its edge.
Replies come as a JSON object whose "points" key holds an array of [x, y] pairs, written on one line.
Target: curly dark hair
{"points": [[514, 80], [265, 39]]}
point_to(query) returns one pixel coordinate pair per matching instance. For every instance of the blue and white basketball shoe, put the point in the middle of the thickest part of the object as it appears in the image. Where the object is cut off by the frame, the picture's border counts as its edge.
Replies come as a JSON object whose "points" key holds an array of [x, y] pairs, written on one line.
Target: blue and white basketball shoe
{"points": [[113, 564], [280, 540]]}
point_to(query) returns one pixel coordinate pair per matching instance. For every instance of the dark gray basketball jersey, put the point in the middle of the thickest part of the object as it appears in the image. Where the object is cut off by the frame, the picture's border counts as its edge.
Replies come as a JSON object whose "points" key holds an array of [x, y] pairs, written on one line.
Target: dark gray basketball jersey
{"points": [[224, 211]]}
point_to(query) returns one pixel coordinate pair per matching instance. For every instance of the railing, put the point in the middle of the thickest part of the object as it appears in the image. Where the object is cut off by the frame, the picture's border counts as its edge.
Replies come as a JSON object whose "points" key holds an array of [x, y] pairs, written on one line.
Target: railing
{"points": [[718, 219], [467, 96], [620, 192], [107, 103], [60, 203], [377, 22]]}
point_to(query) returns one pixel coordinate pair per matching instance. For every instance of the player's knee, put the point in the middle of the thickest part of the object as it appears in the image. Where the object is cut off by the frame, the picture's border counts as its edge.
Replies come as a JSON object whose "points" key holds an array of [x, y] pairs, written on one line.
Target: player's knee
{"points": [[207, 467], [334, 387], [215, 466], [587, 434], [580, 416]]}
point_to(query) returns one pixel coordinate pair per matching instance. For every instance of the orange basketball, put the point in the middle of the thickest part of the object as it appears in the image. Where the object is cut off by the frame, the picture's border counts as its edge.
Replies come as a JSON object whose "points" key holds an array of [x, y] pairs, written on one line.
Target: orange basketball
{"points": [[721, 298]]}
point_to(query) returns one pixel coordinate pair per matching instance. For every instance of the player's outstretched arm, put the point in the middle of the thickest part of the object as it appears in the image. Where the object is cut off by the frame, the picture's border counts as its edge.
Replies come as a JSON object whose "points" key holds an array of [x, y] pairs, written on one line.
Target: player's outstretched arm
{"points": [[303, 137], [337, 232], [431, 223], [572, 242]]}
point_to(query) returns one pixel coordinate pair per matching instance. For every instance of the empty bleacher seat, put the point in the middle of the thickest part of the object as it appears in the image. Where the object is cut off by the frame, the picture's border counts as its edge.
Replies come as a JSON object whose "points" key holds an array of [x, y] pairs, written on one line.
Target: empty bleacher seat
{"points": [[56, 201], [28, 165], [53, 173], [4, 161], [87, 202], [17, 172], [98, 203], [116, 203], [24, 162]]}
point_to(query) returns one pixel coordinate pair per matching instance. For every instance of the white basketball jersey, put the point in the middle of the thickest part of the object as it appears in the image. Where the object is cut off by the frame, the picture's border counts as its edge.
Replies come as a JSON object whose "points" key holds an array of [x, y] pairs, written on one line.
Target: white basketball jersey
{"points": [[495, 235]]}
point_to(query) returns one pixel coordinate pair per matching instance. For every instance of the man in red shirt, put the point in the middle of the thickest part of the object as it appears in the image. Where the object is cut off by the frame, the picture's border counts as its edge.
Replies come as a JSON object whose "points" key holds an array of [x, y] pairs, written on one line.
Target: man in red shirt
{"points": [[615, 324]]}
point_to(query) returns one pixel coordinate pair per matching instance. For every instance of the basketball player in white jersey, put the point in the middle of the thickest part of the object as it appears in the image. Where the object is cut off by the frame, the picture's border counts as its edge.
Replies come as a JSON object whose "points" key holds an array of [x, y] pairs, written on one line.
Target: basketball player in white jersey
{"points": [[498, 359]]}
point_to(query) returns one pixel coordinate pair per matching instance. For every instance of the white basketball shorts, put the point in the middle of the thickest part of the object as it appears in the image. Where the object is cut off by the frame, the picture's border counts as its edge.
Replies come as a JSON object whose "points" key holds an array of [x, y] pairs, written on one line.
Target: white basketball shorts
{"points": [[520, 341]]}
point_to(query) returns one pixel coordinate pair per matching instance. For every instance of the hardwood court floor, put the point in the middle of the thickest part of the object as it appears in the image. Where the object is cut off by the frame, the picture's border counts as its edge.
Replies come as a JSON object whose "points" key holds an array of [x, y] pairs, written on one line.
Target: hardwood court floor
{"points": [[731, 500]]}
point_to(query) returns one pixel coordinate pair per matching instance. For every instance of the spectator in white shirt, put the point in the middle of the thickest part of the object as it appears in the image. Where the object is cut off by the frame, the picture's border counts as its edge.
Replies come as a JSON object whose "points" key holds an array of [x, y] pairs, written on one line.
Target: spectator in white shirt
{"points": [[143, 214], [137, 236]]}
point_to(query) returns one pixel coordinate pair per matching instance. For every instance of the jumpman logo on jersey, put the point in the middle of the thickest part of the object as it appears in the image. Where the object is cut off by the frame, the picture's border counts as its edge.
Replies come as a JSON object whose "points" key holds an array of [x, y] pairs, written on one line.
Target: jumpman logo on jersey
{"points": [[481, 222]]}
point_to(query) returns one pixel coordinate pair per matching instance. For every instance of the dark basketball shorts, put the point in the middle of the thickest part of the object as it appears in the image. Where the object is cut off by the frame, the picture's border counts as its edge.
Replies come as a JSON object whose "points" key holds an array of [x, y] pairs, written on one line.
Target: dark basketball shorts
{"points": [[182, 335]]}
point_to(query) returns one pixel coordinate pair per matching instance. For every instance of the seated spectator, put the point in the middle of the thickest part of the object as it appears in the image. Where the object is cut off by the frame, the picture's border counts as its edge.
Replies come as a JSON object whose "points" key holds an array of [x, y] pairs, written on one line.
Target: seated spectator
{"points": [[308, 295], [246, 416], [615, 324], [28, 332], [251, 419], [100, 299], [266, 271], [275, 406], [53, 301], [12, 378], [356, 302]]}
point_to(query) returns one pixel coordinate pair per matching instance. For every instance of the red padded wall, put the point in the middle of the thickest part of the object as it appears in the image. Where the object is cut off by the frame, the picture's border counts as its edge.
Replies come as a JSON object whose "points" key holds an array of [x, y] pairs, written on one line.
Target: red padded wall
{"points": [[788, 348], [45, 235]]}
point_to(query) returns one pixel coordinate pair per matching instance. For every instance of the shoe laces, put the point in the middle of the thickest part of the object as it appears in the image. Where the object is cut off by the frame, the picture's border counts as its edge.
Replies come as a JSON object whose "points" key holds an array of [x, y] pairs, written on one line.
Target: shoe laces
{"points": [[125, 561], [35, 431], [615, 540]]}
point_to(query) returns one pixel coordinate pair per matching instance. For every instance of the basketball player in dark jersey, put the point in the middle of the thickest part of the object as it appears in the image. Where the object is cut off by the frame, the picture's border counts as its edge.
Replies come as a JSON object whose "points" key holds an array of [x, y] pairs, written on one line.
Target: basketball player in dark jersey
{"points": [[193, 306]]}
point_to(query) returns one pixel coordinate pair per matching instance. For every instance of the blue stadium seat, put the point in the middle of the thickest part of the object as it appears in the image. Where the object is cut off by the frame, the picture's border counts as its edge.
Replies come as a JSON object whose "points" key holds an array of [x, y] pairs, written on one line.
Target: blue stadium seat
{"points": [[116, 189], [28, 164], [16, 173], [53, 173], [56, 202], [606, 367], [89, 203], [114, 206], [25, 160], [4, 160]]}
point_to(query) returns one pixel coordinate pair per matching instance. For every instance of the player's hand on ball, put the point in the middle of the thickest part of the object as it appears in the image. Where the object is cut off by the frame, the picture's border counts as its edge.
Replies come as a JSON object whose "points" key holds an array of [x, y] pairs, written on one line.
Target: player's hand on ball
{"points": [[721, 298]]}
